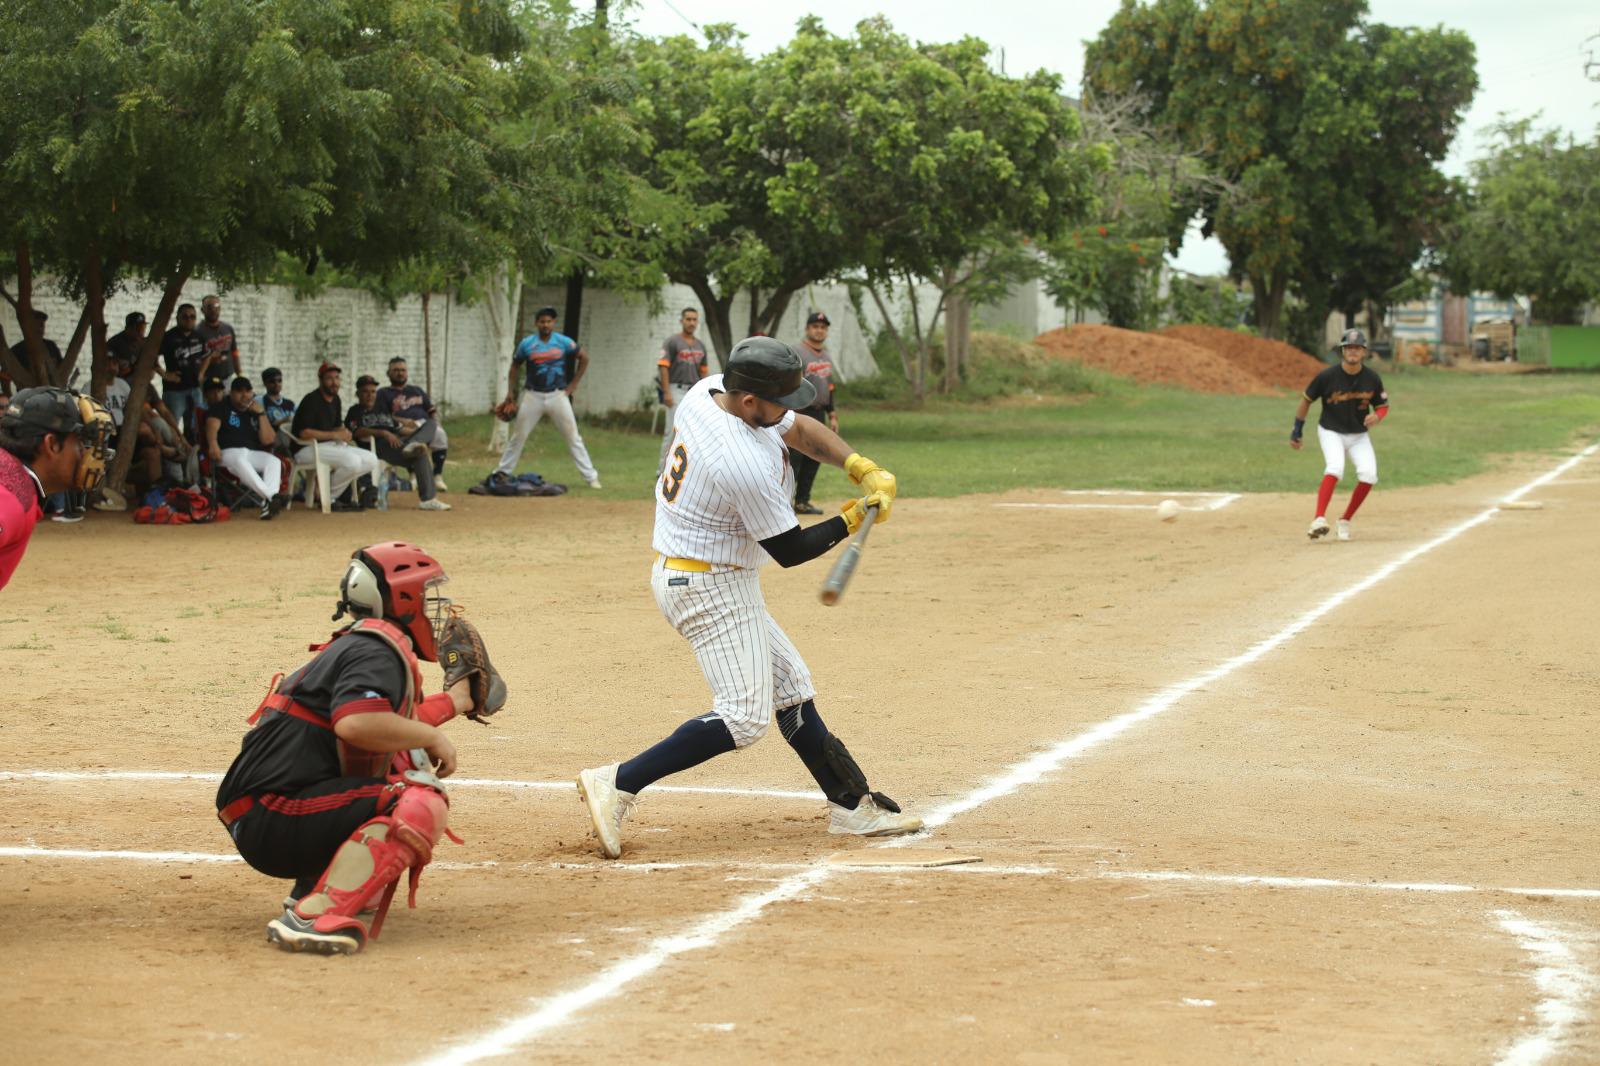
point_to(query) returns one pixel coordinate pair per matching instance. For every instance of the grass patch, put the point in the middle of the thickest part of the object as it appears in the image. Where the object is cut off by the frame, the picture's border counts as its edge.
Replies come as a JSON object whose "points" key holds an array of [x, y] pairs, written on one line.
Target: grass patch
{"points": [[1065, 427], [115, 630]]}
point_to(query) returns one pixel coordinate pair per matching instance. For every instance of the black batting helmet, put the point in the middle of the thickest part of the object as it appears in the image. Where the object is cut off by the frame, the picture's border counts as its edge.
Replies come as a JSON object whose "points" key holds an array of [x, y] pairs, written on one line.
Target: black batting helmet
{"points": [[1353, 338], [768, 368]]}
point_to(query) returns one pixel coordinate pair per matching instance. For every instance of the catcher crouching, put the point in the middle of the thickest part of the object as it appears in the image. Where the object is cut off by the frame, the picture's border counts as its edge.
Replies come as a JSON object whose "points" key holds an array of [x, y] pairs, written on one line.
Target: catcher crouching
{"points": [[337, 784]]}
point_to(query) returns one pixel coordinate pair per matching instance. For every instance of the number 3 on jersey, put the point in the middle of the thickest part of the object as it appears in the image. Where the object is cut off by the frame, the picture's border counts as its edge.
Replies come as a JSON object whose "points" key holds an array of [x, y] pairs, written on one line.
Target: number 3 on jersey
{"points": [[672, 483]]}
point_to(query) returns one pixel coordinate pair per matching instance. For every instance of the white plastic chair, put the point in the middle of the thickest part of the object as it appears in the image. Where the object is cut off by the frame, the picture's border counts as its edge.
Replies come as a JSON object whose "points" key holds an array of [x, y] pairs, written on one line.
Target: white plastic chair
{"points": [[319, 476]]}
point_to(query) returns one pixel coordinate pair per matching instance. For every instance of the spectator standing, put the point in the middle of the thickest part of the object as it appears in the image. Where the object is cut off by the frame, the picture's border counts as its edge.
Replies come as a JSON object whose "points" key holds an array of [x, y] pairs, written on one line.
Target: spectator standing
{"points": [[395, 440], [320, 417], [183, 354], [125, 346], [819, 371], [407, 401], [541, 359], [239, 439], [221, 344], [681, 366], [20, 349]]}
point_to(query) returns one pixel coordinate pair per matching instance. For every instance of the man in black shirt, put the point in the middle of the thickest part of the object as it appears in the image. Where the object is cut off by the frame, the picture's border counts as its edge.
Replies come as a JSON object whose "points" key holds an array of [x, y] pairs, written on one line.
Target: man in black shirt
{"points": [[320, 418], [367, 421], [51, 349], [279, 408], [239, 439], [1353, 401], [183, 354], [407, 401], [337, 784]]}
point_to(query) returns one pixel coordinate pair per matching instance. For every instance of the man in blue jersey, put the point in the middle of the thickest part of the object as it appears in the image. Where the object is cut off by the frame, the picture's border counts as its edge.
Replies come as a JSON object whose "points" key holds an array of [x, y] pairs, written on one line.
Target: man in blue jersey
{"points": [[541, 358]]}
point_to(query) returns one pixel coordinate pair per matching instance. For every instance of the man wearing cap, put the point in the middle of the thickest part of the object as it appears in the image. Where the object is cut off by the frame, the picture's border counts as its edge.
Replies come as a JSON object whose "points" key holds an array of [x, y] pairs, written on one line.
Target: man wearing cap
{"points": [[183, 354], [681, 366], [221, 344], [279, 408], [320, 418], [239, 439], [541, 359], [1353, 402], [819, 371], [51, 440]]}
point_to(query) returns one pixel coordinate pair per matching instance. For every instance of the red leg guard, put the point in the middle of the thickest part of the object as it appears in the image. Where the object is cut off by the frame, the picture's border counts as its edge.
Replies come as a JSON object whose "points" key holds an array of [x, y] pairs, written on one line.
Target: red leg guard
{"points": [[1362, 488], [373, 859], [1325, 493]]}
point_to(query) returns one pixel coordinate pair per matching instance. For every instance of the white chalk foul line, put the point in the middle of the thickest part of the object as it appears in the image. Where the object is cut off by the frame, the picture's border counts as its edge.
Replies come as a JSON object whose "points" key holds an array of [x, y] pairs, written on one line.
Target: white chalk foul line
{"points": [[556, 1011], [1563, 983], [1331, 882], [453, 782]]}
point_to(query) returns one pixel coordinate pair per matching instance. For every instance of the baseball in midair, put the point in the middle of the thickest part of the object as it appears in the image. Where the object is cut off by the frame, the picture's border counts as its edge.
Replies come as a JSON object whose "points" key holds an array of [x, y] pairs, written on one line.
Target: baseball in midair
{"points": [[1167, 510]]}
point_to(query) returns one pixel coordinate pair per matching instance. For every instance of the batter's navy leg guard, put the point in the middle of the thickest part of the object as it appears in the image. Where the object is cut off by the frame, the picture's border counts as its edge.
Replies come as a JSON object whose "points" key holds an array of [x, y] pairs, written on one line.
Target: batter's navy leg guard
{"points": [[832, 766]]}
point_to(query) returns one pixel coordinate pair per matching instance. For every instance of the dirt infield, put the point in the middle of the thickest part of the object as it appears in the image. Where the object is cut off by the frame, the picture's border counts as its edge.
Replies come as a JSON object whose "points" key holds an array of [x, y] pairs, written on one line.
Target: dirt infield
{"points": [[1210, 832]]}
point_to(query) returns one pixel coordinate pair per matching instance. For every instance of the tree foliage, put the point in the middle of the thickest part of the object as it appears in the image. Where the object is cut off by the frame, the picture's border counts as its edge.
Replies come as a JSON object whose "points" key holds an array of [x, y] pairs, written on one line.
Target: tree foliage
{"points": [[1532, 224], [1328, 129]]}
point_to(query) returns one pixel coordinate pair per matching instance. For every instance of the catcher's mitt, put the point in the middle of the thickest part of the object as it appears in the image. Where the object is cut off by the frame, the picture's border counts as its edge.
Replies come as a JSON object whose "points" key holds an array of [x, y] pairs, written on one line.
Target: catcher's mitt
{"points": [[462, 655], [506, 410]]}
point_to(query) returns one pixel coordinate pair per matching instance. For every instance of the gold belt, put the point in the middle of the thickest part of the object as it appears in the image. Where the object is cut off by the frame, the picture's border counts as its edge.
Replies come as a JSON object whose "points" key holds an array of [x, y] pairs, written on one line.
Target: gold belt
{"points": [[693, 566]]}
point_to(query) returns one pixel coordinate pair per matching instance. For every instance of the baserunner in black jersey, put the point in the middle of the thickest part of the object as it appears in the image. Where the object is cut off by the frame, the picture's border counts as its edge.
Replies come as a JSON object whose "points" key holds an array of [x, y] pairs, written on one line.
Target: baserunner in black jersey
{"points": [[1353, 401]]}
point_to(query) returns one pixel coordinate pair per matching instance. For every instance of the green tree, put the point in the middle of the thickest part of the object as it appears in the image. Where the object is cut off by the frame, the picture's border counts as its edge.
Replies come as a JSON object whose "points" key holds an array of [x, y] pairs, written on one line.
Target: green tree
{"points": [[1532, 224], [1327, 128]]}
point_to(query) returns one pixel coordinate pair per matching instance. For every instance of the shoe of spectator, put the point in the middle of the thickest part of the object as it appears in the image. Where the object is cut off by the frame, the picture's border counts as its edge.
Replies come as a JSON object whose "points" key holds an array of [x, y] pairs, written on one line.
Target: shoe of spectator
{"points": [[67, 516], [806, 507], [267, 513], [281, 501], [111, 500], [438, 483], [434, 504], [369, 497], [343, 507], [595, 484]]}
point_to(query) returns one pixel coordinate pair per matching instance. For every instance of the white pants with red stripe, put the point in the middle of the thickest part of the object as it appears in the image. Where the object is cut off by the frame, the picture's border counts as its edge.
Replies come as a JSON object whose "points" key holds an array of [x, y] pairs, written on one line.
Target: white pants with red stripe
{"points": [[752, 667], [1358, 446]]}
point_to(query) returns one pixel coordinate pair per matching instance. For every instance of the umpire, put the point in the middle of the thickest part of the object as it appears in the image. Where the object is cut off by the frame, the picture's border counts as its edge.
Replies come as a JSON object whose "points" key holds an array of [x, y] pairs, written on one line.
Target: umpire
{"points": [[819, 371]]}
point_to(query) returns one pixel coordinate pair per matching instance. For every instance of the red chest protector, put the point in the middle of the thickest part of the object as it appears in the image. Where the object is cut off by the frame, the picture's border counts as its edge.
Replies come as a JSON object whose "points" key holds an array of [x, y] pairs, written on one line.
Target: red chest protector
{"points": [[354, 761]]}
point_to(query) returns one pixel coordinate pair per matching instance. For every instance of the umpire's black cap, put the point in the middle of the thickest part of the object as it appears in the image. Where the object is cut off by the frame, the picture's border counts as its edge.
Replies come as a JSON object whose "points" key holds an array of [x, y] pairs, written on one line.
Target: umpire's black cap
{"points": [[768, 368]]}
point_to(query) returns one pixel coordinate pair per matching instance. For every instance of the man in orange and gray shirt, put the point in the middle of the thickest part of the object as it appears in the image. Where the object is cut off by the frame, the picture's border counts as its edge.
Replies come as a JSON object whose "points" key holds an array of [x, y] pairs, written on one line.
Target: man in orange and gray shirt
{"points": [[819, 371], [681, 366]]}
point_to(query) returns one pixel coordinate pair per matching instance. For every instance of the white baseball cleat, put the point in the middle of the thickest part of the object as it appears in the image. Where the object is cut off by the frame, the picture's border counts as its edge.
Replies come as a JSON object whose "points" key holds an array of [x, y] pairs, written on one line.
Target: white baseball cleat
{"points": [[1343, 531], [607, 804], [434, 504], [1319, 528], [595, 483], [870, 820]]}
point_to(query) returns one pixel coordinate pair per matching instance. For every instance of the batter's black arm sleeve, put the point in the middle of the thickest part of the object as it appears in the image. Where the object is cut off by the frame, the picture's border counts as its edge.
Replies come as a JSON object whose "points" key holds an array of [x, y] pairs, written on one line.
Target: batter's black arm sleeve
{"points": [[798, 545]]}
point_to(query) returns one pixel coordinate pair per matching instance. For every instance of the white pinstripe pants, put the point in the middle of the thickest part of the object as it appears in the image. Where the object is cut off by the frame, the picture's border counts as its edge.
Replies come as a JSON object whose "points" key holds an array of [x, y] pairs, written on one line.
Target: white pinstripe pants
{"points": [[752, 667]]}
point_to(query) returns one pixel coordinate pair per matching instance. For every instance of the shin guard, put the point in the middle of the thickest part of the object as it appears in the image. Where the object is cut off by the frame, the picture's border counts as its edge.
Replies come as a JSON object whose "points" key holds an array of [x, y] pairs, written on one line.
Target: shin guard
{"points": [[372, 860]]}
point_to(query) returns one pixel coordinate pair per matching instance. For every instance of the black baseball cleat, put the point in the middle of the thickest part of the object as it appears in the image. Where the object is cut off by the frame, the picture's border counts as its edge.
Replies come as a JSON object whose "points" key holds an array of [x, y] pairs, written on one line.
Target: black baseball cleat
{"points": [[806, 507]]}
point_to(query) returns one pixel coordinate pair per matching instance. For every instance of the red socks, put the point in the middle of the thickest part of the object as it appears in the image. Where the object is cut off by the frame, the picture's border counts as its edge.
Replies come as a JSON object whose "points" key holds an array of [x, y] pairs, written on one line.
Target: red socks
{"points": [[1325, 493], [1362, 488]]}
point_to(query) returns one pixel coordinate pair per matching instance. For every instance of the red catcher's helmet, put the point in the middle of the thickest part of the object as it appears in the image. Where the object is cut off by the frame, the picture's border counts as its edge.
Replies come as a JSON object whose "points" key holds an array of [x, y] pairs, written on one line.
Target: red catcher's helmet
{"points": [[396, 581]]}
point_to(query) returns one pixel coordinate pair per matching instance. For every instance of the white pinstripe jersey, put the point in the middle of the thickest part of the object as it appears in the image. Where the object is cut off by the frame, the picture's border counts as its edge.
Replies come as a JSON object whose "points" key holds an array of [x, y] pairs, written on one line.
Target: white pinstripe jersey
{"points": [[727, 485]]}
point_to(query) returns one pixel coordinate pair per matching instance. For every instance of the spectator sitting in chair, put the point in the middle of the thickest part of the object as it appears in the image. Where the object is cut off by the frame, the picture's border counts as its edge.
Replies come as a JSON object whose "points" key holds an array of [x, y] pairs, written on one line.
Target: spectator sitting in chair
{"points": [[239, 439], [320, 418], [396, 440], [410, 401], [279, 408], [179, 463]]}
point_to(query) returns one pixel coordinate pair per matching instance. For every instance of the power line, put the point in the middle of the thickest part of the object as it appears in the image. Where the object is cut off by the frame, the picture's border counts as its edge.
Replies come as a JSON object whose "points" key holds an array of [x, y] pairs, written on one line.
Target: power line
{"points": [[684, 17]]}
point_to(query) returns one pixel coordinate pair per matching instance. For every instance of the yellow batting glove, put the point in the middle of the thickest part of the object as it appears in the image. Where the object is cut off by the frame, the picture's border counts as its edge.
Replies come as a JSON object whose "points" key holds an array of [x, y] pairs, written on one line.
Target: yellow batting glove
{"points": [[854, 512], [870, 476]]}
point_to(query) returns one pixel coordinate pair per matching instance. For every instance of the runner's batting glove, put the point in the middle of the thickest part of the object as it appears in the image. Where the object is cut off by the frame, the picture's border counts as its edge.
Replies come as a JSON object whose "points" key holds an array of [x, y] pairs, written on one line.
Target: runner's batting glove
{"points": [[855, 511], [870, 476]]}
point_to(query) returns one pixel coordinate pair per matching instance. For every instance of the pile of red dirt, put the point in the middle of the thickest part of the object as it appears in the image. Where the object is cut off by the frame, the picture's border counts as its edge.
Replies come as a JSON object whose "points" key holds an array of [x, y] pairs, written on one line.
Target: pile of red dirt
{"points": [[1271, 362], [1151, 359]]}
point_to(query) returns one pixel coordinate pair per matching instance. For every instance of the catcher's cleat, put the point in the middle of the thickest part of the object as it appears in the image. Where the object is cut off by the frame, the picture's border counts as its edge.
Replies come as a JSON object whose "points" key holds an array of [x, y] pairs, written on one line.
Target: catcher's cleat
{"points": [[870, 820], [1343, 530], [607, 804], [1319, 528], [292, 932]]}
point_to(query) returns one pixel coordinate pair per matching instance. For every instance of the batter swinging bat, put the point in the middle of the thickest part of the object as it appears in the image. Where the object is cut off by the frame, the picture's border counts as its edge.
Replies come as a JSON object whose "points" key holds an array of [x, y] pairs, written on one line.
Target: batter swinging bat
{"points": [[839, 576]]}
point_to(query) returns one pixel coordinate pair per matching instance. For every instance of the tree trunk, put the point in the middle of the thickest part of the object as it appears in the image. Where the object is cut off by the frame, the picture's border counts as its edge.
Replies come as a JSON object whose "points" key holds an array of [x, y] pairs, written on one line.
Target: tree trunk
{"points": [[572, 314], [900, 344], [1268, 297], [766, 321], [32, 334], [427, 345], [957, 320], [142, 372], [69, 358], [95, 311], [15, 369]]}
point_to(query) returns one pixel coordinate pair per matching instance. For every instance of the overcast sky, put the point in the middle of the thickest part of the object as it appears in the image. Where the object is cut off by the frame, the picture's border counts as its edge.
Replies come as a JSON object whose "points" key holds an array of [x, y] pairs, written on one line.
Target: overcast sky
{"points": [[1530, 54]]}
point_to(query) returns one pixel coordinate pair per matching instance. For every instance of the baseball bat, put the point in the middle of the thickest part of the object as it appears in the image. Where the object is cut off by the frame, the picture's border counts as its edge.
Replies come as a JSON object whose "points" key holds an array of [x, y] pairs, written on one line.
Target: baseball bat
{"points": [[845, 567]]}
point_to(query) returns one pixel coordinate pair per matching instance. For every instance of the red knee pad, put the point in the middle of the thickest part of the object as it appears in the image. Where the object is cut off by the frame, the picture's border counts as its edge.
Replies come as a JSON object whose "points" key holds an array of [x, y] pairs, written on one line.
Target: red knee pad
{"points": [[421, 817]]}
